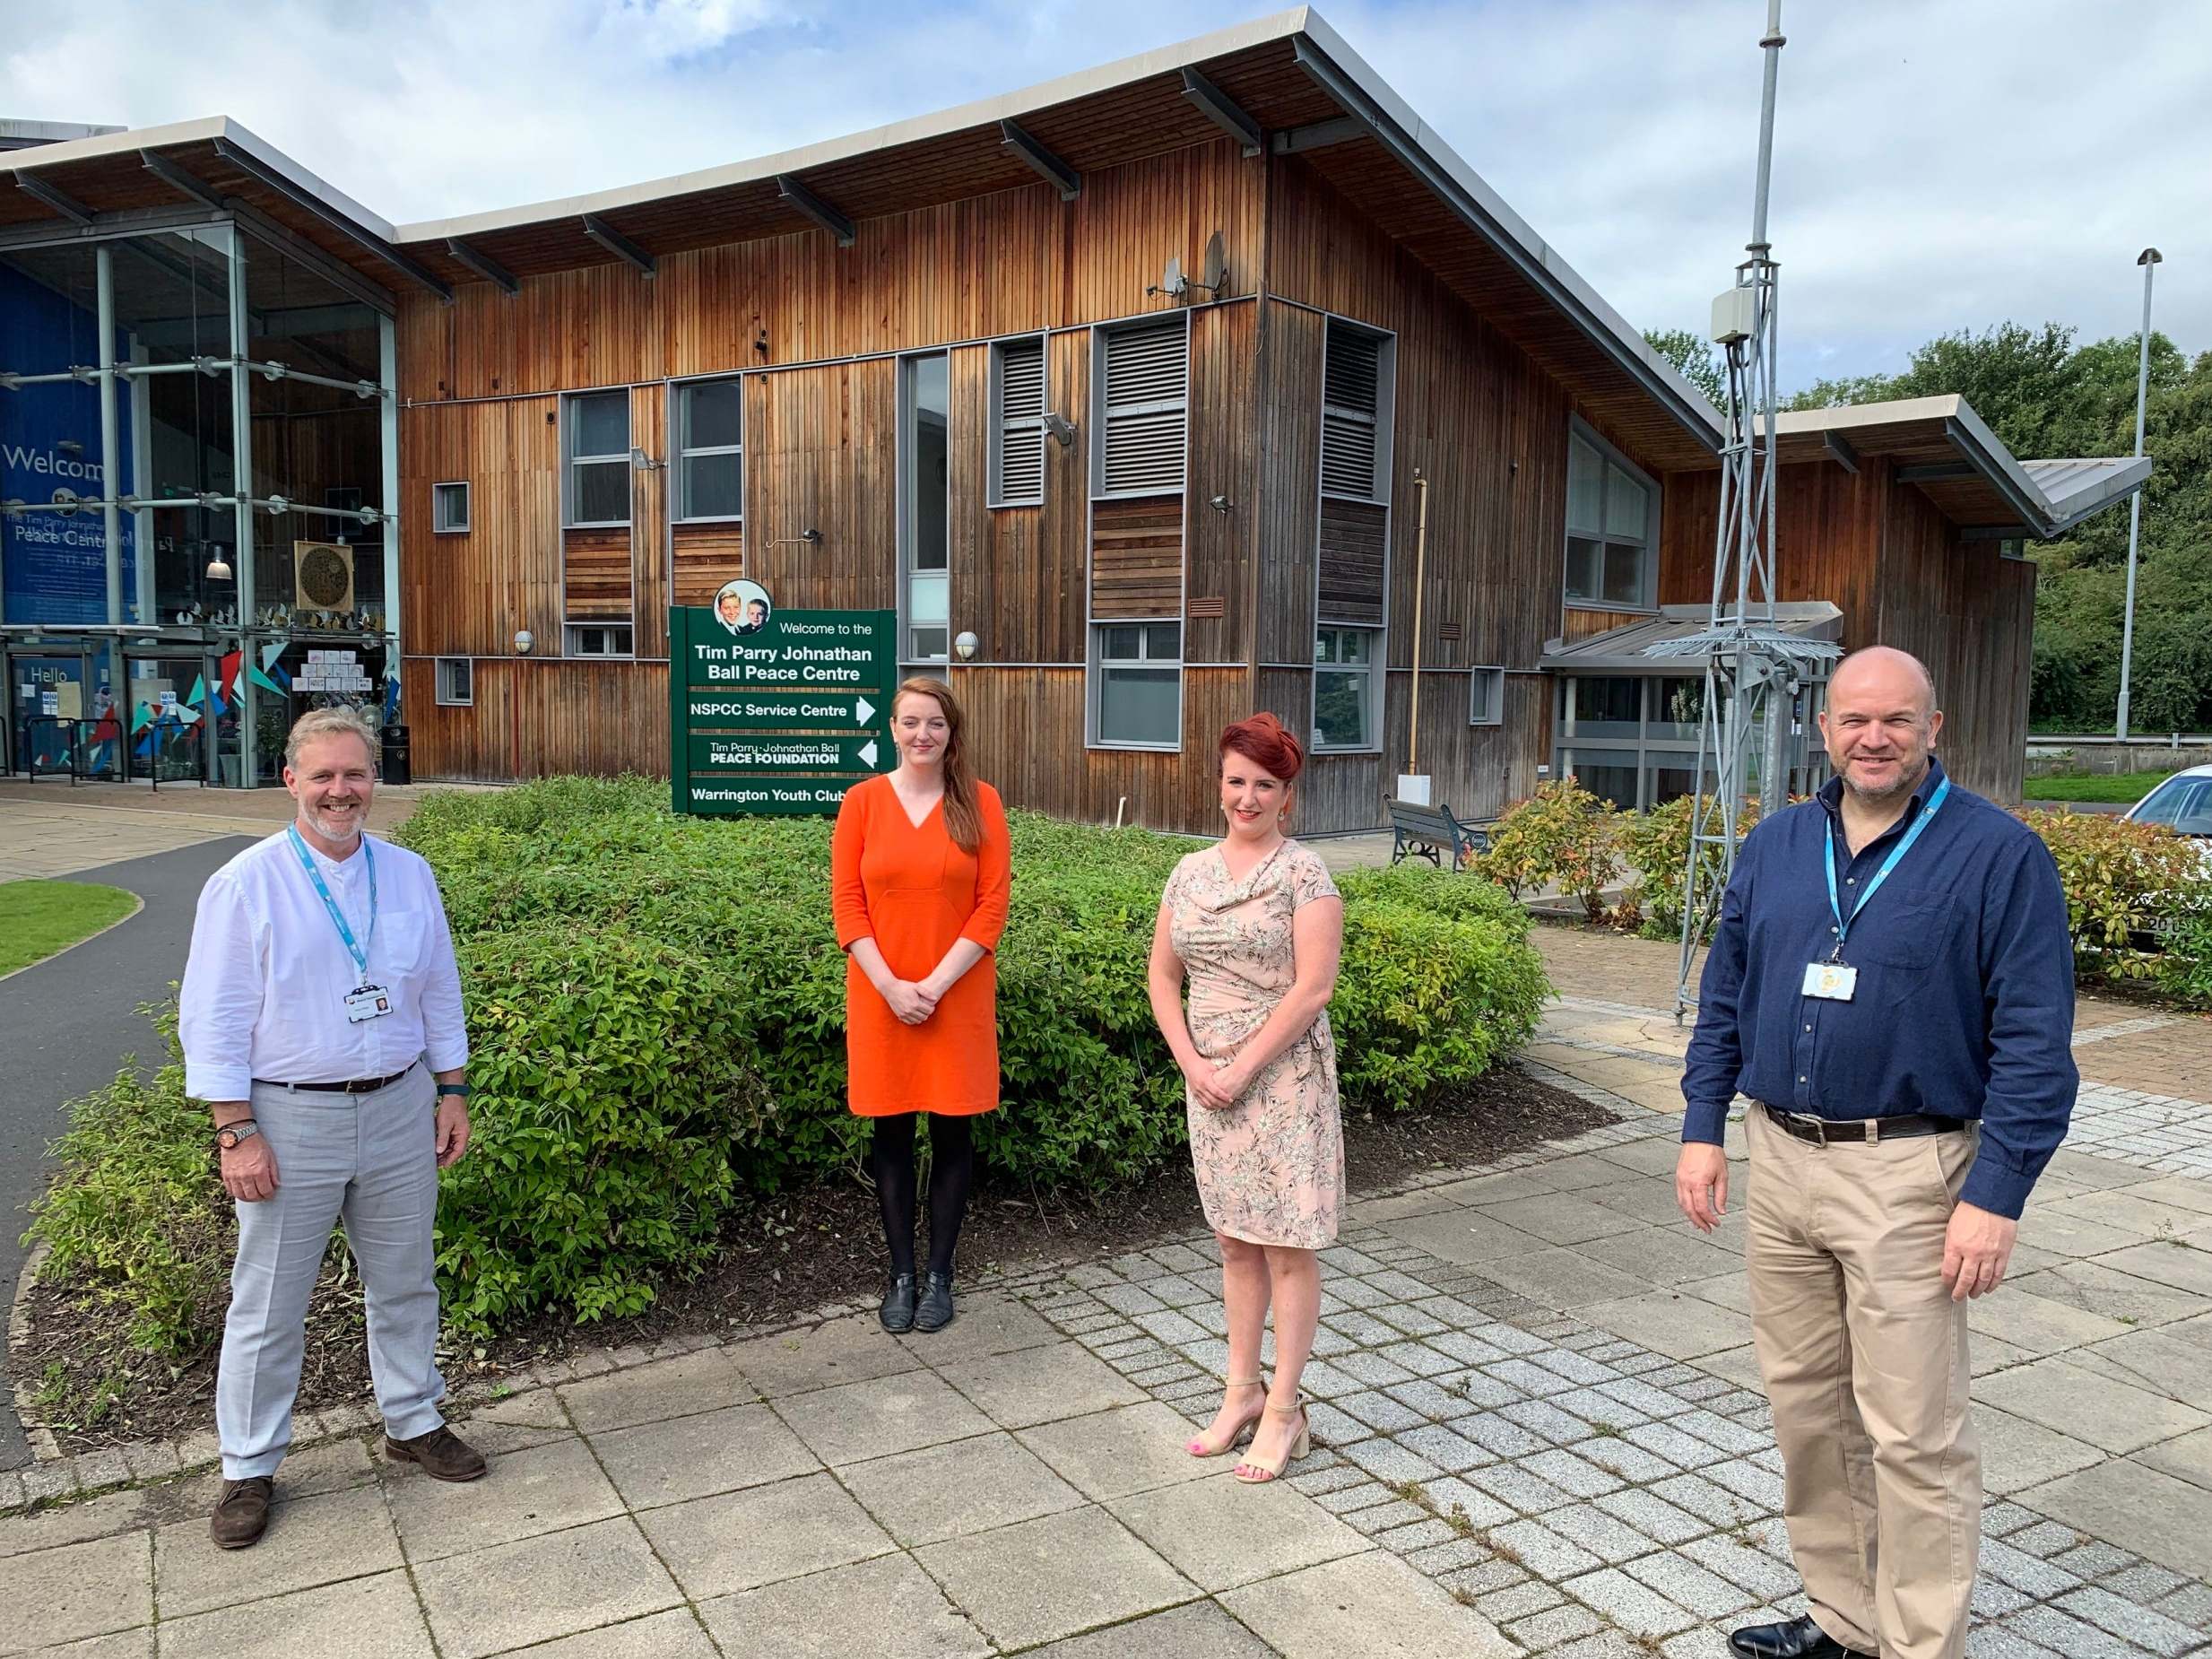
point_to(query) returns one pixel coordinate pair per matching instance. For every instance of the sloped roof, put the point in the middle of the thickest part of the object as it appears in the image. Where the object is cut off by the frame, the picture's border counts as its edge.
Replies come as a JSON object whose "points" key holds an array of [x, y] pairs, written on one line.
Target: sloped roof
{"points": [[1940, 445], [1290, 76], [1625, 649]]}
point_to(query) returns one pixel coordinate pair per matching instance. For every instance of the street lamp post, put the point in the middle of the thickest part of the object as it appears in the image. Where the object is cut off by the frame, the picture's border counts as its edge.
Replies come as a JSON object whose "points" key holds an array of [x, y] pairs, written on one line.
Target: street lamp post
{"points": [[2148, 259]]}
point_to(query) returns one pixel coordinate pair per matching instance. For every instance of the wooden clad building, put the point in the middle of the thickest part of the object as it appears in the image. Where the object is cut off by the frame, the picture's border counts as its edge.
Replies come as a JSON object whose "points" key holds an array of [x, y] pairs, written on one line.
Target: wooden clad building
{"points": [[945, 368]]}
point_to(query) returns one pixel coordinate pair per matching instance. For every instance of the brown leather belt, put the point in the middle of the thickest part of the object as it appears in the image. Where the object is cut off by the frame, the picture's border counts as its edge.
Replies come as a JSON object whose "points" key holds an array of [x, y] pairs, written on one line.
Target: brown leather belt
{"points": [[1821, 1131], [358, 1085]]}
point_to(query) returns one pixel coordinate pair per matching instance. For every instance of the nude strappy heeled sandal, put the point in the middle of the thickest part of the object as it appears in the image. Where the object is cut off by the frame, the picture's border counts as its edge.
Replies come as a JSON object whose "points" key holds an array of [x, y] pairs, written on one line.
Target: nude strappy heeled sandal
{"points": [[1238, 1435], [1252, 1472]]}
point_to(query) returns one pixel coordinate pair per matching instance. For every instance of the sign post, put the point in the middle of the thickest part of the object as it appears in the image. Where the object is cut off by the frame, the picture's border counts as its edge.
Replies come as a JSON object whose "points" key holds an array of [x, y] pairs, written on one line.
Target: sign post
{"points": [[782, 715]]}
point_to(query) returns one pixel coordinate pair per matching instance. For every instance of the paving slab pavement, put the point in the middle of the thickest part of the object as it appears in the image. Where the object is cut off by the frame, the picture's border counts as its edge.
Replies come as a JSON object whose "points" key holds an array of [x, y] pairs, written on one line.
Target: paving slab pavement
{"points": [[1539, 1423]]}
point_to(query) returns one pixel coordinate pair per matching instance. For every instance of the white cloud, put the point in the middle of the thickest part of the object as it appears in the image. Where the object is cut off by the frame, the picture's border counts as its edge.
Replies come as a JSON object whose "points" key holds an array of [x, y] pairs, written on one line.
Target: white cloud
{"points": [[1936, 166]]}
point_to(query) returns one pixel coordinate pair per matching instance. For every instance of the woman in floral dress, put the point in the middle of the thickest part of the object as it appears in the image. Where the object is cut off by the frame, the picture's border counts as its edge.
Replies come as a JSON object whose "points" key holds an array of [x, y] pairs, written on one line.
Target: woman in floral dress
{"points": [[1254, 924]]}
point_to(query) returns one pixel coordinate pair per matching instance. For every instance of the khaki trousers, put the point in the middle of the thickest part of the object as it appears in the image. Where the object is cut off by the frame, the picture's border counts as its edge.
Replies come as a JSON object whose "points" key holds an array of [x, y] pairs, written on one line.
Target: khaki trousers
{"points": [[1864, 1355]]}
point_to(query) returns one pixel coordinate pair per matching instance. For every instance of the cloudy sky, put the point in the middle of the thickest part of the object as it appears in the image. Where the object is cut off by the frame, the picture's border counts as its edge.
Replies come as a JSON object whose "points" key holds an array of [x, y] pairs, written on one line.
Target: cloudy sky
{"points": [[1940, 163]]}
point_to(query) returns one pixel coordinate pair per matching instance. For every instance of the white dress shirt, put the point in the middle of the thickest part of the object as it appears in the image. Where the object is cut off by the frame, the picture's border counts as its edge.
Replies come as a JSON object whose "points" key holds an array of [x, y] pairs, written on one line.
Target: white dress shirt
{"points": [[266, 985]]}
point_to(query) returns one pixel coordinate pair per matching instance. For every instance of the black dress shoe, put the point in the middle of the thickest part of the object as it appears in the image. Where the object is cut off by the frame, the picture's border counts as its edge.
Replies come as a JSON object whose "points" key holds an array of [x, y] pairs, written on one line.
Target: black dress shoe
{"points": [[897, 1310], [1800, 1639], [935, 1311]]}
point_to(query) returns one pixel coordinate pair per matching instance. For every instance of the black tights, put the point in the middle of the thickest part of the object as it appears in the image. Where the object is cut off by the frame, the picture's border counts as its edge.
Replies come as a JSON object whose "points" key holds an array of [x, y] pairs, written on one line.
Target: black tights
{"points": [[951, 1172]]}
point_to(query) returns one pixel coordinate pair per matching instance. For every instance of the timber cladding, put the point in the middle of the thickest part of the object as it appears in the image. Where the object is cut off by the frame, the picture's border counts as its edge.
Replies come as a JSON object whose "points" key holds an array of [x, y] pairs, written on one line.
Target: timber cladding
{"points": [[1136, 558]]}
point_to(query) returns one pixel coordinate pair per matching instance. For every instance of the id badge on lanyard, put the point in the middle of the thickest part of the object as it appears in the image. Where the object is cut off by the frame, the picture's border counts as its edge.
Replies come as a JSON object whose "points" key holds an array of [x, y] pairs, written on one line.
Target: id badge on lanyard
{"points": [[367, 1000], [1835, 980]]}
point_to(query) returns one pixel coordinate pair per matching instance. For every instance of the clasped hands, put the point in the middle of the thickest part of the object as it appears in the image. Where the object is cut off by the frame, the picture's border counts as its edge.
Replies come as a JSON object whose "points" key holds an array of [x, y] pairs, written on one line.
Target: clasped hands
{"points": [[914, 1000], [1218, 1088]]}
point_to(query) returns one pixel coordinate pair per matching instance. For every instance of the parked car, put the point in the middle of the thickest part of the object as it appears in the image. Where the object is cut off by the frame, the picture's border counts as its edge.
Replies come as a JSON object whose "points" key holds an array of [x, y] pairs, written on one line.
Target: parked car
{"points": [[2183, 803]]}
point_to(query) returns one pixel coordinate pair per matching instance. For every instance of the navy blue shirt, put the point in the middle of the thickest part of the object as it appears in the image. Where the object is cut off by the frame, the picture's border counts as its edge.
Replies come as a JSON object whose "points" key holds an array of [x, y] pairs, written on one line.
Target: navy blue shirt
{"points": [[1964, 1004]]}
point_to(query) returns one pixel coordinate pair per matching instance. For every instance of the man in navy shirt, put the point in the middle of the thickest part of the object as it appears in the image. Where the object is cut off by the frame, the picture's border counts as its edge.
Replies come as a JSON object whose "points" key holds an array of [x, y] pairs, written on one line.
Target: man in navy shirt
{"points": [[1892, 985]]}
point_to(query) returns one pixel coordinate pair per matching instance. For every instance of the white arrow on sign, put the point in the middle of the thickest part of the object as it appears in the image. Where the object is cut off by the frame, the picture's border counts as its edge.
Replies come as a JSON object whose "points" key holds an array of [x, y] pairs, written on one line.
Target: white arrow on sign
{"points": [[864, 712], [868, 752]]}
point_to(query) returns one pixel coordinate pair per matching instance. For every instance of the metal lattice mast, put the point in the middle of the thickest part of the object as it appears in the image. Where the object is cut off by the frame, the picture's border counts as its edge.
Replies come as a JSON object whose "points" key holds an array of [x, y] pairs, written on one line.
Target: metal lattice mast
{"points": [[1751, 664]]}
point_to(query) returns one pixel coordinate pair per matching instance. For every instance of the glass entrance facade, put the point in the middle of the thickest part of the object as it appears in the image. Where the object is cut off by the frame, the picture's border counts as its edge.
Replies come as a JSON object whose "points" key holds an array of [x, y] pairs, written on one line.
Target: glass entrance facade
{"points": [[197, 440]]}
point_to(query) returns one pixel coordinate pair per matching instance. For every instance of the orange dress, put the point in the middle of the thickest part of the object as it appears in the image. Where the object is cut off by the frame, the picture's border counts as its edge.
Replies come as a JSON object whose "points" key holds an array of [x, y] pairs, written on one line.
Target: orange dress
{"points": [[915, 892]]}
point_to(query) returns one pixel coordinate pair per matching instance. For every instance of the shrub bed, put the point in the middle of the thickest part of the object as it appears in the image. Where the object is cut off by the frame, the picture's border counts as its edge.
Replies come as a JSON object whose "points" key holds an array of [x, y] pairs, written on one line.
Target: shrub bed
{"points": [[656, 1011]]}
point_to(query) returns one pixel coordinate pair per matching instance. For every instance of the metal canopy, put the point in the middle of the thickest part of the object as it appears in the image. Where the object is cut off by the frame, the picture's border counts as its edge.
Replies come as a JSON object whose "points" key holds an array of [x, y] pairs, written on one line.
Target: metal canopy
{"points": [[1675, 641]]}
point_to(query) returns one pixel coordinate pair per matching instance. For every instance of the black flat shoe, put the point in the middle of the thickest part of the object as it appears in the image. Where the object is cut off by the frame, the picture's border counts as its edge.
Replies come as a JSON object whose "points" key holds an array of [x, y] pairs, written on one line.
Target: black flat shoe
{"points": [[1800, 1639], [935, 1311], [897, 1310]]}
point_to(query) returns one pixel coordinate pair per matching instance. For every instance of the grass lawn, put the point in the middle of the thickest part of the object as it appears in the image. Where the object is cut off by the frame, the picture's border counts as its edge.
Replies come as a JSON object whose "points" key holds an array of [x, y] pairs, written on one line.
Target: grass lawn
{"points": [[38, 919]]}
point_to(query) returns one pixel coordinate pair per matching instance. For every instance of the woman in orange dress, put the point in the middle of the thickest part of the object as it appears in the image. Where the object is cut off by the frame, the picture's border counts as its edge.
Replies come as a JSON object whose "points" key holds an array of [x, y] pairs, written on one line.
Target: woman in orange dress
{"points": [[919, 871]]}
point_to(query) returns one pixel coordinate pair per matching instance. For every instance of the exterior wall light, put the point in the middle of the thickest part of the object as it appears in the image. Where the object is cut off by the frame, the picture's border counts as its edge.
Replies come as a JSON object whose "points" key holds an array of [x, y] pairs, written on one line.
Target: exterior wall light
{"points": [[522, 641], [965, 645]]}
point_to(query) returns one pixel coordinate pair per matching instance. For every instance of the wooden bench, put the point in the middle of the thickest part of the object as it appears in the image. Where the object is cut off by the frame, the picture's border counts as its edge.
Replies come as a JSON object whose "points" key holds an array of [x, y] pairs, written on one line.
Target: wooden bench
{"points": [[1429, 832]]}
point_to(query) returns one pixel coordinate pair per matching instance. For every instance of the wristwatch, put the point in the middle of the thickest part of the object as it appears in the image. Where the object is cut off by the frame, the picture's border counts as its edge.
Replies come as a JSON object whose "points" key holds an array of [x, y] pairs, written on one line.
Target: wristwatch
{"points": [[230, 1134], [460, 1088]]}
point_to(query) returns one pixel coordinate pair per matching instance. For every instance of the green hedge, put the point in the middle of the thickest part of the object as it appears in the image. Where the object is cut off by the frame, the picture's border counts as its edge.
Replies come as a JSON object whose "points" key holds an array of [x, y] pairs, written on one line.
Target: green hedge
{"points": [[656, 1014]]}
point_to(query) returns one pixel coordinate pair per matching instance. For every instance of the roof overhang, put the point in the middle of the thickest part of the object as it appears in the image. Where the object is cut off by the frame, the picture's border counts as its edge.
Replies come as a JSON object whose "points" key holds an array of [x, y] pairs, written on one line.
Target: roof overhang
{"points": [[1289, 82], [1940, 446], [1628, 648]]}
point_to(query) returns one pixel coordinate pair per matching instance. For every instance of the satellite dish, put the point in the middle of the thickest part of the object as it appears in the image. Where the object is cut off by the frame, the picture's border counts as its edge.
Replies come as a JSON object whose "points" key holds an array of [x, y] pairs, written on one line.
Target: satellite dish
{"points": [[1171, 282], [1217, 270]]}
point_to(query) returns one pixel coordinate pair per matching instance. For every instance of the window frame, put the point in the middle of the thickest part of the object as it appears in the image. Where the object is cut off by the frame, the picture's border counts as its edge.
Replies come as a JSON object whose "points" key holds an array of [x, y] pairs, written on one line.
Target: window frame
{"points": [[571, 629], [1494, 675], [442, 678], [995, 483], [681, 453], [1373, 672], [440, 524], [1100, 666], [1101, 335], [570, 461], [908, 486], [1609, 456]]}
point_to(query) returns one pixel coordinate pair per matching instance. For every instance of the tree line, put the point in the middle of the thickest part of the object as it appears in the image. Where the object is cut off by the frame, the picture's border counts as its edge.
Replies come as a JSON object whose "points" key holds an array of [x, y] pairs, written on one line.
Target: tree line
{"points": [[2045, 396]]}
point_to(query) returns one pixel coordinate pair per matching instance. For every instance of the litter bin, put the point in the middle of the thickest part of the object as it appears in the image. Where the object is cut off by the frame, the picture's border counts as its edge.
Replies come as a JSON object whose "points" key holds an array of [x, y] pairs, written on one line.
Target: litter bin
{"points": [[398, 765]]}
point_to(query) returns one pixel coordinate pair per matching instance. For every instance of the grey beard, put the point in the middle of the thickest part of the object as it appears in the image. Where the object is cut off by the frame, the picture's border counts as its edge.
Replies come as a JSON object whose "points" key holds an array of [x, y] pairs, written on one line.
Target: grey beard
{"points": [[1906, 783]]}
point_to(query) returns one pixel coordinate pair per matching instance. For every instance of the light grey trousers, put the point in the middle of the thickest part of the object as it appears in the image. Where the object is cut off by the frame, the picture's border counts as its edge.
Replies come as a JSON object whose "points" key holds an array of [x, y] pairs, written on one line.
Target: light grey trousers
{"points": [[372, 1160]]}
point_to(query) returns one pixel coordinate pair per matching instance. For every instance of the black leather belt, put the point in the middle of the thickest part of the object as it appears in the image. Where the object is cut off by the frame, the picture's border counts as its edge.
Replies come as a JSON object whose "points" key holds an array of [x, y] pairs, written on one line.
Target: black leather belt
{"points": [[1820, 1131], [358, 1085]]}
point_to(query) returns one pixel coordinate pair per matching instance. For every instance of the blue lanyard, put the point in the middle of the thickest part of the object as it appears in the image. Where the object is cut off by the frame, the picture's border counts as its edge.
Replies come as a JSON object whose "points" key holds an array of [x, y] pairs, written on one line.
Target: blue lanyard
{"points": [[359, 952], [1903, 846]]}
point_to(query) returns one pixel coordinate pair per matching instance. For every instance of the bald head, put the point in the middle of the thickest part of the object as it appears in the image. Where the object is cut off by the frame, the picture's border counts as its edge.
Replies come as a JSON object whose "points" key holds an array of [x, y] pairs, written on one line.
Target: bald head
{"points": [[1880, 724], [1887, 669]]}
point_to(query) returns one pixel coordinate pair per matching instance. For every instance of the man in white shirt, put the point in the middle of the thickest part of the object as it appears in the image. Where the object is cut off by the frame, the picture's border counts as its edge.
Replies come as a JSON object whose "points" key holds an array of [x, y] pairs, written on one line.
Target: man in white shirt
{"points": [[320, 1001]]}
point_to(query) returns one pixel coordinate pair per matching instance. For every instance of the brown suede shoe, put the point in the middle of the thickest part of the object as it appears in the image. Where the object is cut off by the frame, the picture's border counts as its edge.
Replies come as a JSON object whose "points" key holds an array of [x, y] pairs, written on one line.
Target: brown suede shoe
{"points": [[443, 1455], [241, 1513]]}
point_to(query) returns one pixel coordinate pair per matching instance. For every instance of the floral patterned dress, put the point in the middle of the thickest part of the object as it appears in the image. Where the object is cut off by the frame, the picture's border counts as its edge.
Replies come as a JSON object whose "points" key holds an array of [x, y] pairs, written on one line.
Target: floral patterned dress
{"points": [[1270, 1169]]}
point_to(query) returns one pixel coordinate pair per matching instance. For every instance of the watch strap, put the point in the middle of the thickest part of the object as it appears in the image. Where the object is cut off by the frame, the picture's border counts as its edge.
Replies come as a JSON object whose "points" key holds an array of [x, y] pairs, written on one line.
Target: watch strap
{"points": [[457, 1089]]}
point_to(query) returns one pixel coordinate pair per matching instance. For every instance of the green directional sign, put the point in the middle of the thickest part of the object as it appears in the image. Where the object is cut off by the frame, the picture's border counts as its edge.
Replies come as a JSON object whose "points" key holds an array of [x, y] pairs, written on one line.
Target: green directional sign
{"points": [[784, 711], [784, 753], [778, 712]]}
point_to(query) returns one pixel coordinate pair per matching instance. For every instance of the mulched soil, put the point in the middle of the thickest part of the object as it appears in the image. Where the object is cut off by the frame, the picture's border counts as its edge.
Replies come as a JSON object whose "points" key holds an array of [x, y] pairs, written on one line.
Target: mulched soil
{"points": [[780, 1260]]}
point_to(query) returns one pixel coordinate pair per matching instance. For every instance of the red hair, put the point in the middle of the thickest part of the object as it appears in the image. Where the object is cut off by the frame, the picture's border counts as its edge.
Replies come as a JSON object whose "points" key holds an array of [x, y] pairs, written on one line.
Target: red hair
{"points": [[1261, 739]]}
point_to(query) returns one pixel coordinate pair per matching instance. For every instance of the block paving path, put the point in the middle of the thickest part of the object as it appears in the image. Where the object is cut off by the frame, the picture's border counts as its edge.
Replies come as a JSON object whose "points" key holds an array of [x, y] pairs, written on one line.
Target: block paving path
{"points": [[1539, 1426]]}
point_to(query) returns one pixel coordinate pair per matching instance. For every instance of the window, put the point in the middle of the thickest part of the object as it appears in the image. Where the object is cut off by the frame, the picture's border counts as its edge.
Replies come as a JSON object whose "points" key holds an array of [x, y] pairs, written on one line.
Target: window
{"points": [[1142, 371], [1633, 739], [598, 439], [450, 509], [1486, 702], [599, 639], [456, 680], [924, 516], [1018, 422], [1355, 413], [1611, 562], [710, 449], [2182, 803], [1139, 698], [1344, 688]]}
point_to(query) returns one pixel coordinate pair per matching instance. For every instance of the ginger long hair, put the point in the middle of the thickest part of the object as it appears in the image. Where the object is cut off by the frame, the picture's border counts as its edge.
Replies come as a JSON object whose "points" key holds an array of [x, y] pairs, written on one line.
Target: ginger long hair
{"points": [[963, 820]]}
